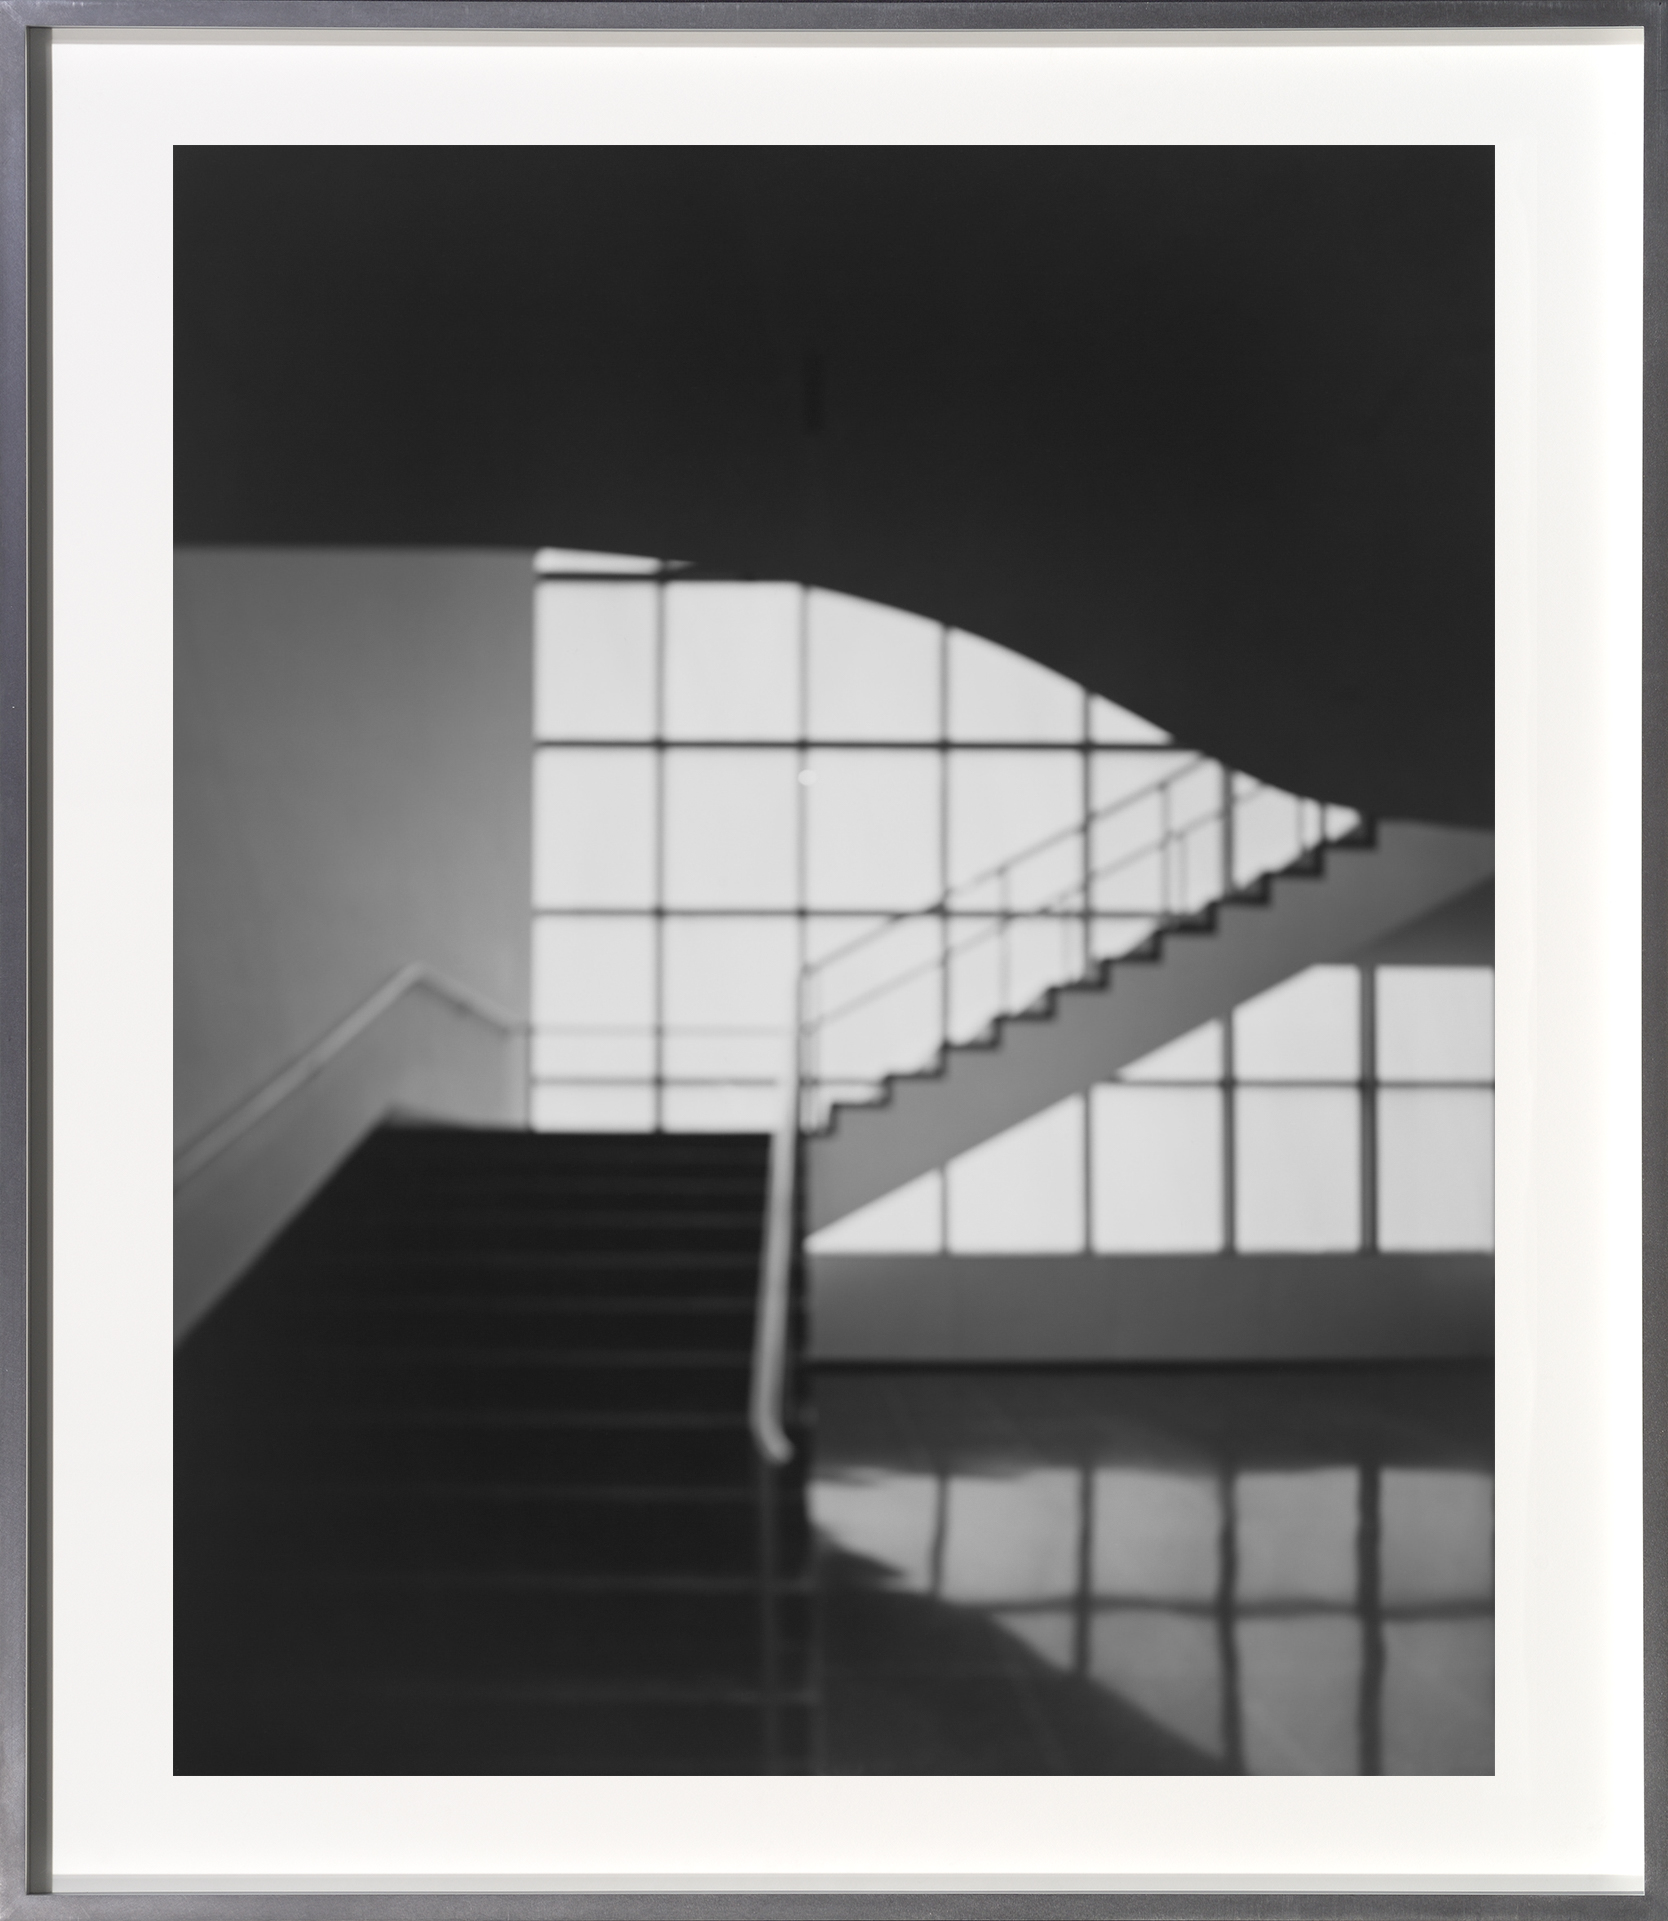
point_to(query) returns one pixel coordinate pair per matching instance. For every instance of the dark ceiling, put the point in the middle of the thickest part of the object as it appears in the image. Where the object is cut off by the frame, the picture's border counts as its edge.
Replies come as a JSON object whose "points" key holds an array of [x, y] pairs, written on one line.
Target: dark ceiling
{"points": [[1210, 429]]}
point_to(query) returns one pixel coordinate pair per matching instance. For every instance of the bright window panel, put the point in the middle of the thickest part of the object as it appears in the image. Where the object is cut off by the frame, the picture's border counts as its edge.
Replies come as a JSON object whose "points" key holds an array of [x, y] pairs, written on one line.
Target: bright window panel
{"points": [[872, 829], [593, 662], [1298, 1185], [1300, 1694], [1022, 1192], [581, 560], [1269, 828], [618, 1057], [1157, 1170], [731, 828], [888, 1520], [1013, 1539], [873, 671], [1436, 1535], [1195, 1057], [1152, 849], [1110, 722], [1436, 1170], [1157, 1535], [1167, 1665], [720, 1110], [910, 1220], [592, 1110], [1306, 1029], [726, 1057], [879, 1000], [996, 694], [593, 828], [594, 972], [732, 661], [1436, 1023], [1296, 1535], [730, 971], [1438, 1712], [1001, 806]]}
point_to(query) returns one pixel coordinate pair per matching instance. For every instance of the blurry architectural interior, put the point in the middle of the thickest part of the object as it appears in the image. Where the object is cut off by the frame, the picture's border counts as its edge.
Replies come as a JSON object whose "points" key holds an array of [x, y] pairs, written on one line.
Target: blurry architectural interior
{"points": [[1014, 896]]}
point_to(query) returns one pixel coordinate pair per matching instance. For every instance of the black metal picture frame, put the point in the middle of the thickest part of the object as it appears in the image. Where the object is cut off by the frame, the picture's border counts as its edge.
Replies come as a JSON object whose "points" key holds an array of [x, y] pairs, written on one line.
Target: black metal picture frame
{"points": [[26, 955]]}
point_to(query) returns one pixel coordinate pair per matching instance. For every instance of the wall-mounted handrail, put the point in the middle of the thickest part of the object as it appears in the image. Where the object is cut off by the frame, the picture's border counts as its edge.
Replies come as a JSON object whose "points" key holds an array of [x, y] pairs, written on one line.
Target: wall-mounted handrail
{"points": [[208, 1146], [770, 1323]]}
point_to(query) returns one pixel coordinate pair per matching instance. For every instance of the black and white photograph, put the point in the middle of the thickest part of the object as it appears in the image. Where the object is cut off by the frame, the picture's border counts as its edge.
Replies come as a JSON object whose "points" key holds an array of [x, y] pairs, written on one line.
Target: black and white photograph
{"points": [[833, 924]]}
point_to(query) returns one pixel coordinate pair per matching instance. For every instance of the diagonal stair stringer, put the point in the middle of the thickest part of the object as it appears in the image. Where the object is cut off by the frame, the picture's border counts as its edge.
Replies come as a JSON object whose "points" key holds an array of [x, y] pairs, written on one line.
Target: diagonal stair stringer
{"points": [[1325, 907]]}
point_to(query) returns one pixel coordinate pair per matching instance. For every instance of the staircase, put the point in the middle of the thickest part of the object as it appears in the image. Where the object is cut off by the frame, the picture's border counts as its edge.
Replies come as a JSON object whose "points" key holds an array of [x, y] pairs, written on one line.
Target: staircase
{"points": [[1335, 899], [463, 1479]]}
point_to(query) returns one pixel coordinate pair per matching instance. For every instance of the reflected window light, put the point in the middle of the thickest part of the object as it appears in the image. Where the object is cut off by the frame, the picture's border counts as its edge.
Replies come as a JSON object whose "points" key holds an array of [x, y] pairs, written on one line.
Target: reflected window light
{"points": [[884, 1518], [1169, 1666], [1157, 1535], [1300, 1693], [1296, 1535], [1436, 1536], [1022, 1192], [1438, 1702], [1049, 1633], [1436, 1169], [1012, 1539], [1435, 1023]]}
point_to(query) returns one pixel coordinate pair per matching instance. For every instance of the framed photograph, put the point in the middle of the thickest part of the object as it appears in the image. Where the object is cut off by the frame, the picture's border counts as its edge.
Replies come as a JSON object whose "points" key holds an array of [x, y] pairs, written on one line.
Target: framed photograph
{"points": [[832, 933]]}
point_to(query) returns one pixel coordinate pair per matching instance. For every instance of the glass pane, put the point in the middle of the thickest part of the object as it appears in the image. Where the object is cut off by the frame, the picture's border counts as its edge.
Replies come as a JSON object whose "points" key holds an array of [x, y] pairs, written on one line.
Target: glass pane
{"points": [[1296, 1535], [996, 694], [732, 661], [1436, 1023], [1436, 1528], [726, 1057], [910, 1220], [592, 1110], [1167, 1665], [1306, 1029], [1195, 1057], [730, 972], [879, 1002], [1269, 829], [1001, 805], [1014, 1539], [594, 973], [872, 829], [720, 1110], [1436, 1169], [1022, 1193], [873, 671], [889, 1520], [1108, 721], [731, 828], [1157, 1170], [614, 1057], [1157, 1536], [1300, 1694], [1050, 1633], [593, 828], [1298, 1189], [593, 661], [1438, 1715]]}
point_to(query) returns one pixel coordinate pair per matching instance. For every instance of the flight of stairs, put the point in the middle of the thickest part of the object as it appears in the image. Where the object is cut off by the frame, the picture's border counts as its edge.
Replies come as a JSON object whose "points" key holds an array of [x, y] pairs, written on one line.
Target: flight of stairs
{"points": [[463, 1481]]}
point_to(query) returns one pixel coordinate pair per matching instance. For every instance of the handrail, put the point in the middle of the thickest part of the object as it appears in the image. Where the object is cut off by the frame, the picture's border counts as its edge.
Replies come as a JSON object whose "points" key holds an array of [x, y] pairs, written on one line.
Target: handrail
{"points": [[770, 1324], [208, 1146]]}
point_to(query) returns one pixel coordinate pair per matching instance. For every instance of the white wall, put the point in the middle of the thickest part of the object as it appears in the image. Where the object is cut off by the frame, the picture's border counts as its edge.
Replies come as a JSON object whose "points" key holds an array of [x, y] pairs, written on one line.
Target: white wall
{"points": [[352, 795]]}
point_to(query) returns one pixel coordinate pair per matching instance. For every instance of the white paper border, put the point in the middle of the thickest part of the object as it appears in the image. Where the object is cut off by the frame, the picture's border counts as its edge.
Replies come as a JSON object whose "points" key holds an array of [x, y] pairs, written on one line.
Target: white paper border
{"points": [[1564, 113]]}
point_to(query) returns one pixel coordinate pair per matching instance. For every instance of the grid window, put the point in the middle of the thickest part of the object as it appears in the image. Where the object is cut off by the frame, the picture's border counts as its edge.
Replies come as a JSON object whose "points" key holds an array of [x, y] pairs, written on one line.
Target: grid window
{"points": [[1157, 1159], [731, 828], [1298, 1170], [732, 661], [594, 662], [594, 820], [996, 694], [872, 821], [1306, 1029], [1022, 1193], [874, 673], [1436, 1024], [1436, 1169]]}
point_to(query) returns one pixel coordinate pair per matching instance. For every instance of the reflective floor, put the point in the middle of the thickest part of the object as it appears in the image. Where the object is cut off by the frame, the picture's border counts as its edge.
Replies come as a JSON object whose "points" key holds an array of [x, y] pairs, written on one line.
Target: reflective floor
{"points": [[1156, 1571]]}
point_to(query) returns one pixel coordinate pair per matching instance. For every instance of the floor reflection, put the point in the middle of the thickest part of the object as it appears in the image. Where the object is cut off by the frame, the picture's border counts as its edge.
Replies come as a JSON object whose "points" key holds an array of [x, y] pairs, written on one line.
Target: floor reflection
{"points": [[1273, 1571]]}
